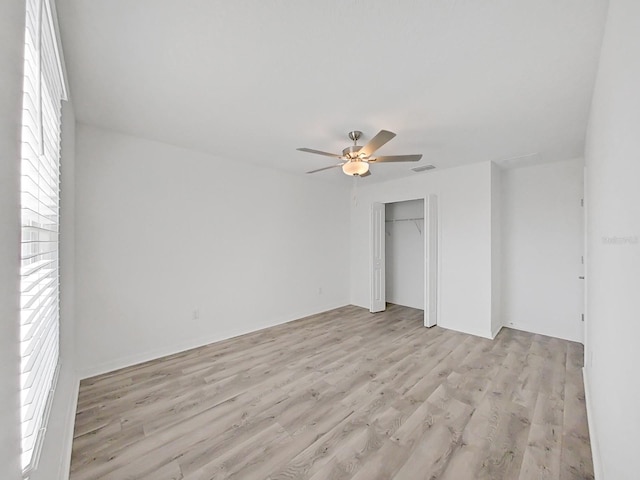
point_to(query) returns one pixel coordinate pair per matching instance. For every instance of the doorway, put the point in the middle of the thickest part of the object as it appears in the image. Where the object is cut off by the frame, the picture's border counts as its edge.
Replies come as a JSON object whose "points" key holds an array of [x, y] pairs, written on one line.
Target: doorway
{"points": [[404, 255]]}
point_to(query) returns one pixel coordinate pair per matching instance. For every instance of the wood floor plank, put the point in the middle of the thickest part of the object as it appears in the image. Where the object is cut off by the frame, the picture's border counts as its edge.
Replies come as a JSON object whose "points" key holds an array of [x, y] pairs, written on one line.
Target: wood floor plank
{"points": [[440, 435], [342, 395], [542, 457]]}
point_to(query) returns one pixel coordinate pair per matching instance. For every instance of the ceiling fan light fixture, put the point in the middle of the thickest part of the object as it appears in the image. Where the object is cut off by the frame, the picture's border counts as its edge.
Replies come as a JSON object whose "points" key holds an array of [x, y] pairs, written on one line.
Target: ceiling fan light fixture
{"points": [[355, 167], [355, 158]]}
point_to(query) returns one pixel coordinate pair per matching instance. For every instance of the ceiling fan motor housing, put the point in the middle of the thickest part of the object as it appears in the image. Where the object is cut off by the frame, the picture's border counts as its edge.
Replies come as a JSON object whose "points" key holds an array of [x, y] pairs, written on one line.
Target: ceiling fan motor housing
{"points": [[351, 151]]}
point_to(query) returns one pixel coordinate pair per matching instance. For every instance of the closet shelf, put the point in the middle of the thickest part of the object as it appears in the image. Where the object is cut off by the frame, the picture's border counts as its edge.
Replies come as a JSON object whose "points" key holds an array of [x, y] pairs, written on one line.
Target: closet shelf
{"points": [[414, 220]]}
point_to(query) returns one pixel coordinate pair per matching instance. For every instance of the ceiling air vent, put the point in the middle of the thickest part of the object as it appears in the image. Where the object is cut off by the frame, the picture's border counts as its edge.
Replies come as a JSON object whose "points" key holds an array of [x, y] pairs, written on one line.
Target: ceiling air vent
{"points": [[423, 168]]}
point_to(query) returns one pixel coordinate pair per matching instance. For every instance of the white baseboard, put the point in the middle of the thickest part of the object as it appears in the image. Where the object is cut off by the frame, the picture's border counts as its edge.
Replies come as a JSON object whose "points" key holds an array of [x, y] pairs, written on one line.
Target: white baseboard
{"points": [[131, 360], [545, 332], [166, 350], [497, 331], [476, 333], [593, 438]]}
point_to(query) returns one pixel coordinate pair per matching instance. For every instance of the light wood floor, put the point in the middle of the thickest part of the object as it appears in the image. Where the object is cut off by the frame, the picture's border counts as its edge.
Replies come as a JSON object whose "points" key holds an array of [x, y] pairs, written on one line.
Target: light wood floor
{"points": [[340, 395]]}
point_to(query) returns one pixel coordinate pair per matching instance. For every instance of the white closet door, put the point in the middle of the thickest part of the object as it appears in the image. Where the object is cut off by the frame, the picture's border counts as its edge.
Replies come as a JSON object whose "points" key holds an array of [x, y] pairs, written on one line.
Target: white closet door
{"points": [[431, 260], [378, 300]]}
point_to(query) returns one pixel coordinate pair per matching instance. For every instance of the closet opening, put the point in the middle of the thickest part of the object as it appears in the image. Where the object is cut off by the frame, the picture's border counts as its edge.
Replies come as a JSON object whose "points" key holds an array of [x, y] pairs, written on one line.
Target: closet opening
{"points": [[404, 255]]}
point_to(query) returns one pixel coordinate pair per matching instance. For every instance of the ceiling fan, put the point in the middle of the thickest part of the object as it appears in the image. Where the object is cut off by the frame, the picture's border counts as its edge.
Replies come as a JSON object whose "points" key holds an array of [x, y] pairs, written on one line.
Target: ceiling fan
{"points": [[356, 158]]}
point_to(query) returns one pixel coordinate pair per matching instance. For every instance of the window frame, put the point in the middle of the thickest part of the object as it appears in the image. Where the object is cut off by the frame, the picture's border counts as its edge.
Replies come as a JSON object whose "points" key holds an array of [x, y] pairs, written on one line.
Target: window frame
{"points": [[44, 89]]}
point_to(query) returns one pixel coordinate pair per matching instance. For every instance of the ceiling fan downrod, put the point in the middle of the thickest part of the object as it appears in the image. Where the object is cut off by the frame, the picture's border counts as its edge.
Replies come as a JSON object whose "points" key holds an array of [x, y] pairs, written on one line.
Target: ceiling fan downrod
{"points": [[351, 152]]}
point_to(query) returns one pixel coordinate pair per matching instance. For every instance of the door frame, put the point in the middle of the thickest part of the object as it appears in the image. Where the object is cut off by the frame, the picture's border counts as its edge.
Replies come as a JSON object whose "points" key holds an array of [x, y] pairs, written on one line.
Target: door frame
{"points": [[431, 261], [431, 267], [585, 278]]}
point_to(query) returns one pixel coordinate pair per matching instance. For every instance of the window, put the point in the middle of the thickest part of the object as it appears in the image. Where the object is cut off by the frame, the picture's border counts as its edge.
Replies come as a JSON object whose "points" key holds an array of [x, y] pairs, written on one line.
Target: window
{"points": [[40, 169]]}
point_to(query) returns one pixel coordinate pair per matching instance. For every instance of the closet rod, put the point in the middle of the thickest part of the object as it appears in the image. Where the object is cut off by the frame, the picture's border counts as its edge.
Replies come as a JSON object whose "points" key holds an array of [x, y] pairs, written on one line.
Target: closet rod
{"points": [[405, 219]]}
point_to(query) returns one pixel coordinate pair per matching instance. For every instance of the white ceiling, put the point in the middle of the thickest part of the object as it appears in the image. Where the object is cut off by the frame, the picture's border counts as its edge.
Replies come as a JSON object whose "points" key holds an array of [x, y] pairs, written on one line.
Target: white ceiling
{"points": [[460, 81]]}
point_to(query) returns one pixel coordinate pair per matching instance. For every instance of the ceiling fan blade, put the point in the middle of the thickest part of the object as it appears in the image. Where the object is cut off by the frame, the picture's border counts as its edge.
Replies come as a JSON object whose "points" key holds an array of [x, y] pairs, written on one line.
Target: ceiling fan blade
{"points": [[397, 158], [366, 174], [319, 152], [326, 168], [382, 137]]}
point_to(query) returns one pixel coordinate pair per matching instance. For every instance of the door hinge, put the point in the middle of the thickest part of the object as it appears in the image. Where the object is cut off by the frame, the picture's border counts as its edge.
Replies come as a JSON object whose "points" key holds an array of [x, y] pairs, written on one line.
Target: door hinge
{"points": [[582, 202], [582, 317]]}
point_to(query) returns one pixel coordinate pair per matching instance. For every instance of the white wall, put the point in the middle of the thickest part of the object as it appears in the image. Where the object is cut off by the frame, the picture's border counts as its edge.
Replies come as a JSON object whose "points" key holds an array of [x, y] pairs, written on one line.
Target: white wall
{"points": [[162, 231], [543, 240], [404, 253], [464, 203], [613, 248], [11, 59]]}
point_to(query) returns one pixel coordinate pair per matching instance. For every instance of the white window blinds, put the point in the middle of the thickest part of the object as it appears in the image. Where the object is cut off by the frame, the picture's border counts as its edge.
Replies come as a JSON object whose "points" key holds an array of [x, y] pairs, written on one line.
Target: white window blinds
{"points": [[40, 169]]}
